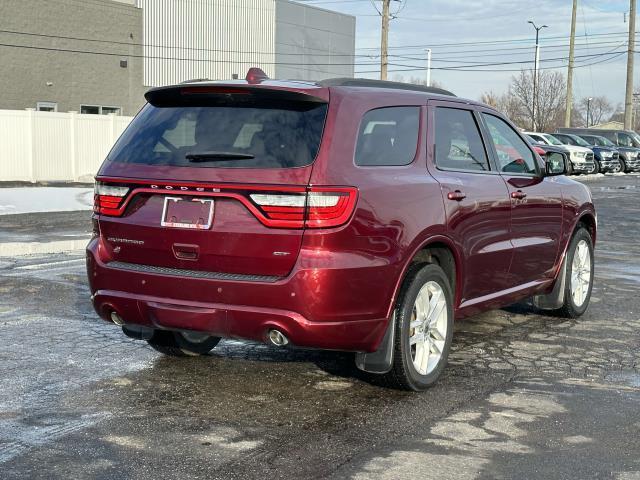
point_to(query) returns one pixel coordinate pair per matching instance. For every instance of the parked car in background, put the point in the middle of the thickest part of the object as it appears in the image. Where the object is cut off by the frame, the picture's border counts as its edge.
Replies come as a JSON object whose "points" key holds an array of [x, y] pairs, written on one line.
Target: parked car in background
{"points": [[626, 142], [327, 215], [606, 158], [582, 159]]}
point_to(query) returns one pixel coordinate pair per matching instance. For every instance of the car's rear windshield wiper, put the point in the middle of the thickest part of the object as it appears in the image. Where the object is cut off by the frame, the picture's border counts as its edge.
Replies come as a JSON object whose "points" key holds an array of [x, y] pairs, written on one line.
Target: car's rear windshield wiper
{"points": [[217, 156]]}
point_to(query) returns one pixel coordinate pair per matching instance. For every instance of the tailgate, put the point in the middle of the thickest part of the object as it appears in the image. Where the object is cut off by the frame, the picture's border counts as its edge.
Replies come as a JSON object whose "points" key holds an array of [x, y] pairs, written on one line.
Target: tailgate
{"points": [[212, 179]]}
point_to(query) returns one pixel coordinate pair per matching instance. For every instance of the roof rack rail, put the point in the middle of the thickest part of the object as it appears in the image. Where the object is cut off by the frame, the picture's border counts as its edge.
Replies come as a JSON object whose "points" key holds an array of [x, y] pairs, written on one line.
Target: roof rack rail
{"points": [[194, 80], [366, 82]]}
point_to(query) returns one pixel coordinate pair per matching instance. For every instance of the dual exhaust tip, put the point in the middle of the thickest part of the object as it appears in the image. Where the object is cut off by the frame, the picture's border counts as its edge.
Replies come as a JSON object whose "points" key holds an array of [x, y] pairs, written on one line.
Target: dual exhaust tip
{"points": [[276, 337]]}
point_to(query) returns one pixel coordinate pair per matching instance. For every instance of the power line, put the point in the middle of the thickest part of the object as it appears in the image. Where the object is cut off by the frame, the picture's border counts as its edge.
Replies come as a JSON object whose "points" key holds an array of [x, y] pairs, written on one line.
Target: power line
{"points": [[463, 68], [113, 54], [133, 44], [490, 42]]}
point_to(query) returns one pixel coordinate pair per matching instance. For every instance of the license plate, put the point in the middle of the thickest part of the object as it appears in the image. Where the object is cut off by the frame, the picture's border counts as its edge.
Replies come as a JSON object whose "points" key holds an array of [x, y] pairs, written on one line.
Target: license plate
{"points": [[195, 213]]}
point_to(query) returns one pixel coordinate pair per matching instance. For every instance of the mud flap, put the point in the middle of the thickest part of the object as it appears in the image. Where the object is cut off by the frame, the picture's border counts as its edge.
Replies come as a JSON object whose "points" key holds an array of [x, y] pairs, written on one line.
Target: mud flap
{"points": [[381, 360], [555, 299]]}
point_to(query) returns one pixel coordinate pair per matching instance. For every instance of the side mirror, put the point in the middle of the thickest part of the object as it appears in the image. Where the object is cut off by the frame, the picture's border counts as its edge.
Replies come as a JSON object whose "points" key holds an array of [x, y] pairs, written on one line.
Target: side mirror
{"points": [[554, 164]]}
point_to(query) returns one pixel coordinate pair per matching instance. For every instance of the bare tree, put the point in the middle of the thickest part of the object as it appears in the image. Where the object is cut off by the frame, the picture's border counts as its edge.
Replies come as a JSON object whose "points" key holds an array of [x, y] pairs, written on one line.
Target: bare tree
{"points": [[417, 81], [509, 105], [600, 110], [550, 102]]}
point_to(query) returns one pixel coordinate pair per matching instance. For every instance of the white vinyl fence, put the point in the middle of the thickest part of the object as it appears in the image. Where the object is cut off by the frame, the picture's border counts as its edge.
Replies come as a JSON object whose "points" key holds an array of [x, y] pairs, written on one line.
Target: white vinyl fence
{"points": [[51, 146]]}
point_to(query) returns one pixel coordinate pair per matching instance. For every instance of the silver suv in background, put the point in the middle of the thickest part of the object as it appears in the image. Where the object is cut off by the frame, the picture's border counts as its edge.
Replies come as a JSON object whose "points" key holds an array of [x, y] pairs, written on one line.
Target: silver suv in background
{"points": [[582, 159]]}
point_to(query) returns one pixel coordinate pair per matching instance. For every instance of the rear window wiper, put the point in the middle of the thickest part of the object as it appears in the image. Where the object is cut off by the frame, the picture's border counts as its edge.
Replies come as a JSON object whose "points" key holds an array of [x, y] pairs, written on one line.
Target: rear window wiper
{"points": [[217, 156]]}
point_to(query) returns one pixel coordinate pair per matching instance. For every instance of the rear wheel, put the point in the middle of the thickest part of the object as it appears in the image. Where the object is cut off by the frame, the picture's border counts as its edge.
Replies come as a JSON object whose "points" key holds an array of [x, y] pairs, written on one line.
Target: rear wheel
{"points": [[579, 275], [182, 344], [424, 328]]}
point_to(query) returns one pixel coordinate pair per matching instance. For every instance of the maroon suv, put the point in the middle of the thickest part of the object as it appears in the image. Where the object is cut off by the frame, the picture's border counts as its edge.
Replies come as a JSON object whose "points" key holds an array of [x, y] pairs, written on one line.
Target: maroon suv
{"points": [[347, 215]]}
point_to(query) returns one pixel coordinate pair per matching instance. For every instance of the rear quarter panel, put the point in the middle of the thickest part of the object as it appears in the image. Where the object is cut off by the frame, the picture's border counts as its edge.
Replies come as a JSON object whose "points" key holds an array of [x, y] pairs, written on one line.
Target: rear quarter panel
{"points": [[398, 209]]}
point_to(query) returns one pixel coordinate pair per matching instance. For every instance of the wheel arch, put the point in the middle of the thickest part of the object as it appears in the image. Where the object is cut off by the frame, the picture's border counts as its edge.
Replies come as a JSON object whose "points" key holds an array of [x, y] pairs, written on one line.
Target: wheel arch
{"points": [[588, 219], [437, 249]]}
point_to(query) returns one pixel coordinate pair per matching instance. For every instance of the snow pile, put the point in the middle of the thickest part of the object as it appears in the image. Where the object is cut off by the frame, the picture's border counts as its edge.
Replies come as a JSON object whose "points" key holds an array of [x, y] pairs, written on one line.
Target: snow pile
{"points": [[44, 199]]}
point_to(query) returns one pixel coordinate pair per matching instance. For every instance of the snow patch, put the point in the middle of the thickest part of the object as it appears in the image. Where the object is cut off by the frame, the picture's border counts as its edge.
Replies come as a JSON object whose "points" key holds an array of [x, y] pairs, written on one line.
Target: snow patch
{"points": [[44, 199]]}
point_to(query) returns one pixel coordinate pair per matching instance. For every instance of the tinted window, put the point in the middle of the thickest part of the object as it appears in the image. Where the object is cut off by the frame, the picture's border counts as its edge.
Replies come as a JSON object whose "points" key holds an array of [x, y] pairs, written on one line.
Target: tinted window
{"points": [[388, 136], [565, 139], [625, 140], [263, 136], [514, 156], [458, 142]]}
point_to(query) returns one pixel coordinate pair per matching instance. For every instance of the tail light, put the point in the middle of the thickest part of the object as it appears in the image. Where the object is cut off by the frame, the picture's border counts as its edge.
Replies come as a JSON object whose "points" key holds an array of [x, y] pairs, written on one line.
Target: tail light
{"points": [[107, 199], [318, 208], [280, 207]]}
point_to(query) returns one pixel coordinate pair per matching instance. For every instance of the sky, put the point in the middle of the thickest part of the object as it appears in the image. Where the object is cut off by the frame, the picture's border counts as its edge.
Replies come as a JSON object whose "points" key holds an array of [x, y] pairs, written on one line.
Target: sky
{"points": [[453, 29]]}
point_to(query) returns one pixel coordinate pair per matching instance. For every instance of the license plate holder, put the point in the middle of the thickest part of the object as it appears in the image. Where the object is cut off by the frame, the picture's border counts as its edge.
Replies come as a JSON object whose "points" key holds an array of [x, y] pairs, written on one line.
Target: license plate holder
{"points": [[191, 213]]}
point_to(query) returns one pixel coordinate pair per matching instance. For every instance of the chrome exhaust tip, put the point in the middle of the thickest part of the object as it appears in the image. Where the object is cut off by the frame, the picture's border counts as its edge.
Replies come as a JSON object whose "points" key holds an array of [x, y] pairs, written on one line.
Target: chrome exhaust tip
{"points": [[117, 319], [277, 338]]}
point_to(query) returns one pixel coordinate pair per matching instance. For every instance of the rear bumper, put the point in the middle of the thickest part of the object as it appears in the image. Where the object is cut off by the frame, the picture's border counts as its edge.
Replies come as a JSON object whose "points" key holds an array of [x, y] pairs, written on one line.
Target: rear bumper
{"points": [[316, 308]]}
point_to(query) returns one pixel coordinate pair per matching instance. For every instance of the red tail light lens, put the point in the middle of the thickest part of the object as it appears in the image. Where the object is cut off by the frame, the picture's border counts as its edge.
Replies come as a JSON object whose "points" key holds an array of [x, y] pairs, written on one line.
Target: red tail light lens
{"points": [[107, 199], [319, 208]]}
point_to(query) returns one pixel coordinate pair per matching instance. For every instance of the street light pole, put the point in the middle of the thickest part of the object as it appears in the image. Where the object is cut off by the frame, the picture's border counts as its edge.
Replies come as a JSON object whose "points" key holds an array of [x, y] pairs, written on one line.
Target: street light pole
{"points": [[535, 74], [588, 109]]}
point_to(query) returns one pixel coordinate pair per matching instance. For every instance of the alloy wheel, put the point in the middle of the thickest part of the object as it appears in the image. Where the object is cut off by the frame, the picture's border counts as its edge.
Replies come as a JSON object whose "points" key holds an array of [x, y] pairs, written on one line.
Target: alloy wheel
{"points": [[580, 273], [428, 328]]}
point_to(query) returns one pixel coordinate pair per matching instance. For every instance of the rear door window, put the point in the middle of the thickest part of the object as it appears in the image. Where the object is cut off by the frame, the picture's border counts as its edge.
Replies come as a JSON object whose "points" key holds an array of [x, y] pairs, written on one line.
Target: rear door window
{"points": [[513, 153], [459, 145], [229, 136], [388, 137]]}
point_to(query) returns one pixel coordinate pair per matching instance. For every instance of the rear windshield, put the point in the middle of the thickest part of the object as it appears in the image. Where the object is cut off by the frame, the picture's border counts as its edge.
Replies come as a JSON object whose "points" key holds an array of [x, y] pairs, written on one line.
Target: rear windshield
{"points": [[229, 136]]}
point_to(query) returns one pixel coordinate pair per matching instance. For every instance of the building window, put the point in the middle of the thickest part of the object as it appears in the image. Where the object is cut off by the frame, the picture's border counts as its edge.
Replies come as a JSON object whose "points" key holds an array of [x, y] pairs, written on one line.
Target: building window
{"points": [[99, 110], [47, 107], [110, 110]]}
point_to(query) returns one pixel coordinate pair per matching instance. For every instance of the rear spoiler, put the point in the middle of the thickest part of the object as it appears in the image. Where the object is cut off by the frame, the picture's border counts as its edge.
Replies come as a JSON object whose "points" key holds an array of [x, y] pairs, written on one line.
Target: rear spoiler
{"points": [[181, 95]]}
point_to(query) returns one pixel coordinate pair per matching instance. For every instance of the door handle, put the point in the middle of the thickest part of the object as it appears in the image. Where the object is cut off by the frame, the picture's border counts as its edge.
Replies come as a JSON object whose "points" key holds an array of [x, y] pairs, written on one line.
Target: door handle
{"points": [[457, 195], [518, 195]]}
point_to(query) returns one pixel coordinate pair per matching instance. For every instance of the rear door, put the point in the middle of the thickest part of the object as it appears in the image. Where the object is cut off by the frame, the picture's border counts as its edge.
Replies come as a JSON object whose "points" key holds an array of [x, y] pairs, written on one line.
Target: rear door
{"points": [[475, 197], [212, 179], [536, 202]]}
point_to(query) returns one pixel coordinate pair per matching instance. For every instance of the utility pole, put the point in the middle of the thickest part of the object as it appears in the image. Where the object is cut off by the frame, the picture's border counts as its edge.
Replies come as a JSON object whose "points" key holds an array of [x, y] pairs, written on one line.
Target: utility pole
{"points": [[589, 100], [384, 46], [628, 98], [572, 41], [428, 67], [535, 74]]}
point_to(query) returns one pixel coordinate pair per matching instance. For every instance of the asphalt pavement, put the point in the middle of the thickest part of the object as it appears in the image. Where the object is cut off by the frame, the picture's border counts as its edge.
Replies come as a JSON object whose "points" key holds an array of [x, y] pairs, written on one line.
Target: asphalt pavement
{"points": [[525, 395]]}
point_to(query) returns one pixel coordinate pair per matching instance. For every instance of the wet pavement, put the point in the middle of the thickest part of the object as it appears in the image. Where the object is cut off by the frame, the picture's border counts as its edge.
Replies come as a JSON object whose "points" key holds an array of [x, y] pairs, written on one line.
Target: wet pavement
{"points": [[525, 395]]}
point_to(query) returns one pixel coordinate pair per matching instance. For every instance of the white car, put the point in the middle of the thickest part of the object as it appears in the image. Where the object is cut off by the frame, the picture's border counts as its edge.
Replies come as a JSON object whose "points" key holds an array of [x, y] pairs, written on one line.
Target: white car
{"points": [[582, 158]]}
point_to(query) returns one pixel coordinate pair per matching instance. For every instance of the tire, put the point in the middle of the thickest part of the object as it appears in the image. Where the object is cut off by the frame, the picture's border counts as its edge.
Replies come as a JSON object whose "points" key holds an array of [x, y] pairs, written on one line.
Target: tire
{"points": [[618, 168], [576, 302], [429, 282], [182, 344], [569, 168], [623, 166], [596, 168]]}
